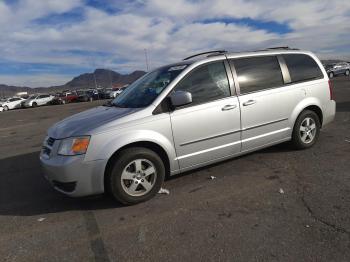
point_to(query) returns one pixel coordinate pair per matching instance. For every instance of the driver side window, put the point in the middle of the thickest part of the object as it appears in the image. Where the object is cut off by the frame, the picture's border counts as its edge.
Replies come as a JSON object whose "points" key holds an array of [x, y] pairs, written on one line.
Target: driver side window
{"points": [[206, 83]]}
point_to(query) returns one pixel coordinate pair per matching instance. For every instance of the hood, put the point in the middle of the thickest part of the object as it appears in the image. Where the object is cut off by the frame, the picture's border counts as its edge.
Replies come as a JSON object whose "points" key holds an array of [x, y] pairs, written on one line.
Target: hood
{"points": [[83, 123]]}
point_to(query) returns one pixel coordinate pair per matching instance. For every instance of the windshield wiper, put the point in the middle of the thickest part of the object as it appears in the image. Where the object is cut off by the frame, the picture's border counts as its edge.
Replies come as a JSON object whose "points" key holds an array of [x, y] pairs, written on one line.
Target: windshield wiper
{"points": [[110, 104]]}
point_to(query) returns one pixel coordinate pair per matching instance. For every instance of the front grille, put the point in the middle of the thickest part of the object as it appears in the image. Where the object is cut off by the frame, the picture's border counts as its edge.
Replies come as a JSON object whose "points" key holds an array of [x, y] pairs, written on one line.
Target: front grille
{"points": [[50, 141], [46, 150]]}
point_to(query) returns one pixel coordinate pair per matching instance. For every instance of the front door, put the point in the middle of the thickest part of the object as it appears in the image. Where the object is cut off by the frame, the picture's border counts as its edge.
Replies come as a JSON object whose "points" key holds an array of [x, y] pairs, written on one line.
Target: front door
{"points": [[209, 128]]}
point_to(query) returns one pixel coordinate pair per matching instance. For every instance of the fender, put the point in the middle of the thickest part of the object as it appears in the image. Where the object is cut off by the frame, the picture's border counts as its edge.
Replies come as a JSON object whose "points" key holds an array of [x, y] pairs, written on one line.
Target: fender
{"points": [[309, 101], [105, 148]]}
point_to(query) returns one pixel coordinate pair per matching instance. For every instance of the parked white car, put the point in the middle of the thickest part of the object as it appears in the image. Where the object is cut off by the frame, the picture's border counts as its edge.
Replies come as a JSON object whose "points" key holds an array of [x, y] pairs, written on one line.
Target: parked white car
{"points": [[11, 103], [115, 93], [38, 100]]}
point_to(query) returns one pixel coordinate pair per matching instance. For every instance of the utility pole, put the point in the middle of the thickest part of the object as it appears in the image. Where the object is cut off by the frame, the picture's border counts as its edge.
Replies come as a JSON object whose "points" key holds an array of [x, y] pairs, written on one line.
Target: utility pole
{"points": [[95, 80], [110, 77], [146, 58]]}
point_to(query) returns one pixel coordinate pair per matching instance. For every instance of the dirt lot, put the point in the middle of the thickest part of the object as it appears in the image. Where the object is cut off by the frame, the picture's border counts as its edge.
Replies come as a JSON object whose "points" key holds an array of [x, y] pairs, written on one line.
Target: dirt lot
{"points": [[273, 205]]}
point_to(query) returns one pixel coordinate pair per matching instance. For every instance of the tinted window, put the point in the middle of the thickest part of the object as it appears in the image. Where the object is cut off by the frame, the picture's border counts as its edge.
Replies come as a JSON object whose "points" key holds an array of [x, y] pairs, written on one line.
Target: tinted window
{"points": [[206, 83], [257, 73], [302, 67]]}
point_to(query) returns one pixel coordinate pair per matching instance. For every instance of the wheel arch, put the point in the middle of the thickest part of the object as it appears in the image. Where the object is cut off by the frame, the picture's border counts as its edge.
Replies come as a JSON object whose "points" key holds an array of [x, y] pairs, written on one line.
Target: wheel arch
{"points": [[317, 110], [312, 105], [159, 150]]}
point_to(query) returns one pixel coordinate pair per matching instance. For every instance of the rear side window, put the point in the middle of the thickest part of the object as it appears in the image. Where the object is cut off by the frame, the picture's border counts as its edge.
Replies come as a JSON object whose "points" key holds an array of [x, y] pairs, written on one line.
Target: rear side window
{"points": [[206, 83], [258, 73], [302, 67]]}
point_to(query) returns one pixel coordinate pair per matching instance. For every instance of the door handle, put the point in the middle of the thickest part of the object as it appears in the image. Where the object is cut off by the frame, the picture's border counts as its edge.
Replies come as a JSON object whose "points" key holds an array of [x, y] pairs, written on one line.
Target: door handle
{"points": [[228, 107], [249, 102]]}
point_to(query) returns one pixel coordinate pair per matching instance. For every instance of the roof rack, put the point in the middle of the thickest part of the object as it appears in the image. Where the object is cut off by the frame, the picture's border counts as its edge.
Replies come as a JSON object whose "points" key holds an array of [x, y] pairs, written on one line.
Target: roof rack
{"points": [[281, 47], [205, 53]]}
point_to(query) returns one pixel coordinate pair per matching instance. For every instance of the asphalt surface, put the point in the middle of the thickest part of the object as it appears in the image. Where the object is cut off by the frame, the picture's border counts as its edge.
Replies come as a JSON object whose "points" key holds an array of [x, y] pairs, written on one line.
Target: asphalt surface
{"points": [[276, 204]]}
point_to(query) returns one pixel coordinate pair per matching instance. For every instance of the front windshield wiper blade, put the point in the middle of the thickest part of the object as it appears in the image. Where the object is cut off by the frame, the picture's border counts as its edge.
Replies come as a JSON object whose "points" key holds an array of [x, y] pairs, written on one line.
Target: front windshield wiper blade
{"points": [[110, 104]]}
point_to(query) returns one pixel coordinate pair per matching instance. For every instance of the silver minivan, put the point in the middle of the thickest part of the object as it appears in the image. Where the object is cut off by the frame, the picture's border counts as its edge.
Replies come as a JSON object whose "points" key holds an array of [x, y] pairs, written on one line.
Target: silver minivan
{"points": [[182, 116]]}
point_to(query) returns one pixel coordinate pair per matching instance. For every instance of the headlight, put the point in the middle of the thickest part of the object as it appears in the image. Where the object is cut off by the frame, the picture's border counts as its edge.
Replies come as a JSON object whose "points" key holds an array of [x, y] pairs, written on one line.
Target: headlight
{"points": [[74, 146]]}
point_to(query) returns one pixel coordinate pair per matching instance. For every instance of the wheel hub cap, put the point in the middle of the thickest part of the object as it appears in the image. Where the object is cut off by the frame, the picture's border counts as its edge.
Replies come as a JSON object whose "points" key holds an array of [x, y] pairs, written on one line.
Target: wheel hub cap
{"points": [[138, 177], [307, 130]]}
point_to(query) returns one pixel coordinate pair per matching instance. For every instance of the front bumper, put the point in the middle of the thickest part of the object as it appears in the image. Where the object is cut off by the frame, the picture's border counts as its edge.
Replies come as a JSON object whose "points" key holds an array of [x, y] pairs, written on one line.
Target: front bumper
{"points": [[73, 176], [26, 105]]}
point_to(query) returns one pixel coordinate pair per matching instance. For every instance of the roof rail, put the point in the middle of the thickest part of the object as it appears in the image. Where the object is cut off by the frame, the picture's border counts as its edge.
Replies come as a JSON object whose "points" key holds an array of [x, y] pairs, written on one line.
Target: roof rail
{"points": [[281, 47], [205, 53]]}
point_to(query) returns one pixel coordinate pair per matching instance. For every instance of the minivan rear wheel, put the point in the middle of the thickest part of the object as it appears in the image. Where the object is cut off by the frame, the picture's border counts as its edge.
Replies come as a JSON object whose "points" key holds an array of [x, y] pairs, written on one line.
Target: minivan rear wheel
{"points": [[136, 176], [347, 72], [306, 130]]}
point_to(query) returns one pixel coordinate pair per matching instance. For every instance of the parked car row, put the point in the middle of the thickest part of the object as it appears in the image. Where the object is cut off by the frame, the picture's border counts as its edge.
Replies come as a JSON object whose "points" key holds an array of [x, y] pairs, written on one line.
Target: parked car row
{"points": [[10, 103], [65, 97], [336, 69]]}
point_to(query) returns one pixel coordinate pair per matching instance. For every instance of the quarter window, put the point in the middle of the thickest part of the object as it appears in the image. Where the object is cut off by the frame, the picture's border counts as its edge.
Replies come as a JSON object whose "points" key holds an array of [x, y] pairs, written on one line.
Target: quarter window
{"points": [[302, 67], [206, 83], [258, 73]]}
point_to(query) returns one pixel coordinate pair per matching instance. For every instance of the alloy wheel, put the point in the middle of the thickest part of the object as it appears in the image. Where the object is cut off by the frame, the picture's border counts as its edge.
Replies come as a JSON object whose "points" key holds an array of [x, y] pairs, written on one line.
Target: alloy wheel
{"points": [[307, 130], [138, 177]]}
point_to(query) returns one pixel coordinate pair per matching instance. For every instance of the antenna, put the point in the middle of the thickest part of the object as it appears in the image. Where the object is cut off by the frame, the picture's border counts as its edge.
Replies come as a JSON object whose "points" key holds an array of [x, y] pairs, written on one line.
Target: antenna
{"points": [[146, 58]]}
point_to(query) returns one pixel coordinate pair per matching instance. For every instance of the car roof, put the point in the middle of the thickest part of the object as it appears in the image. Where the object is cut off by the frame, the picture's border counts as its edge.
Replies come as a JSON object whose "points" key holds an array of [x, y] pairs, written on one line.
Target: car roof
{"points": [[232, 54]]}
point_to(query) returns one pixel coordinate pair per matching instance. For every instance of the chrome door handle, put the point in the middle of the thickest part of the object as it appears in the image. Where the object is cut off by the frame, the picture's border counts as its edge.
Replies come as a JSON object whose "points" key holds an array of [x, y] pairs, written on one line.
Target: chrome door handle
{"points": [[249, 102], [228, 107]]}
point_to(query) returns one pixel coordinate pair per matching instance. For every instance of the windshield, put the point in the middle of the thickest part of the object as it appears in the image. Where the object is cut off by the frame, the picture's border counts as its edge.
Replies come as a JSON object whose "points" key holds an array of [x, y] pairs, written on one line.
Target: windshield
{"points": [[145, 90], [32, 97]]}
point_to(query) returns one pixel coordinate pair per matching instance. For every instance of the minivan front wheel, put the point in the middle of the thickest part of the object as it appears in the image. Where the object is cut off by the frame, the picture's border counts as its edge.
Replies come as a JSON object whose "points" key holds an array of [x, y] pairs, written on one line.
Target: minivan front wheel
{"points": [[136, 176], [306, 130]]}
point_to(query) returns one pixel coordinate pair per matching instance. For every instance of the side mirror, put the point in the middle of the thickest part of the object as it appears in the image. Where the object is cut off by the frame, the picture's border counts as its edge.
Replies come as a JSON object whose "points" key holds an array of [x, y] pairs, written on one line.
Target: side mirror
{"points": [[180, 98]]}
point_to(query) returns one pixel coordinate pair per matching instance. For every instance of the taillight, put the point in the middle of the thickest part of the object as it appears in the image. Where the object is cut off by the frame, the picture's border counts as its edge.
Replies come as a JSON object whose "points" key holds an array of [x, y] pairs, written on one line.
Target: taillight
{"points": [[330, 84]]}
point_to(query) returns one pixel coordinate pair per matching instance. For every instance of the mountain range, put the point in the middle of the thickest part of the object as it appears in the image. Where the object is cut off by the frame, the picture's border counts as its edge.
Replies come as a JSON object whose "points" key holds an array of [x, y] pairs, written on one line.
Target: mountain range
{"points": [[99, 78]]}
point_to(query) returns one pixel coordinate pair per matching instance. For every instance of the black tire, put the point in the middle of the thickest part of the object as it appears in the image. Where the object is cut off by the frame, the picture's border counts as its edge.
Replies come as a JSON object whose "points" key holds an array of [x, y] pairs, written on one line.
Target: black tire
{"points": [[34, 104], [347, 72], [331, 75], [297, 138], [6, 108], [114, 178]]}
